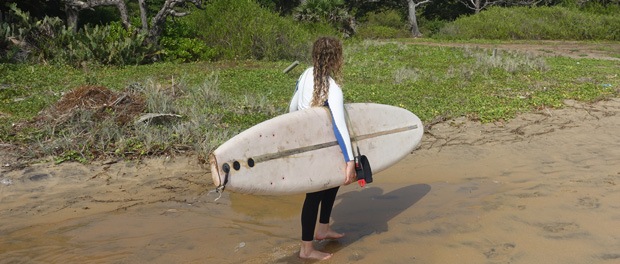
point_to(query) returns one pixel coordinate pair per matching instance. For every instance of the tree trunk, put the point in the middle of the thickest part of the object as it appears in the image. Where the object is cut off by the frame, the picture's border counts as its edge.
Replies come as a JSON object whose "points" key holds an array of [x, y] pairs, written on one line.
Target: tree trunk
{"points": [[159, 20], [122, 8], [166, 10], [413, 20], [143, 15], [72, 17]]}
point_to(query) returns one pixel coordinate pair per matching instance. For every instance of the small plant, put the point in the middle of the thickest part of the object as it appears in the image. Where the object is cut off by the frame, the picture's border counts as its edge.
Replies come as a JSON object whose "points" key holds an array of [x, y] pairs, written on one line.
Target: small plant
{"points": [[509, 61], [403, 75], [70, 156]]}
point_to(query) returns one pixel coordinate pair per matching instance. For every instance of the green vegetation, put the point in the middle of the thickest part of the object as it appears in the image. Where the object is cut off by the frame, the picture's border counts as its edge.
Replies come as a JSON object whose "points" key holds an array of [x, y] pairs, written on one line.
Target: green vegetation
{"points": [[548, 23], [332, 12], [244, 30], [50, 41], [224, 30], [449, 82], [383, 25], [217, 100], [76, 95]]}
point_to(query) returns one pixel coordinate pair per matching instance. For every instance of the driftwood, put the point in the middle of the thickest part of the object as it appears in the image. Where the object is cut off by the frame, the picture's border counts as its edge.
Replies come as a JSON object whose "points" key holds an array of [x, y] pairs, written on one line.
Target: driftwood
{"points": [[155, 118]]}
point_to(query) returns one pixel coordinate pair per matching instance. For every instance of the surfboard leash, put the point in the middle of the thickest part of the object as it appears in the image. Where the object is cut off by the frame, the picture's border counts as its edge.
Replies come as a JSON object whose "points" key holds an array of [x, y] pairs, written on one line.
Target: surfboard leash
{"points": [[220, 189], [226, 169]]}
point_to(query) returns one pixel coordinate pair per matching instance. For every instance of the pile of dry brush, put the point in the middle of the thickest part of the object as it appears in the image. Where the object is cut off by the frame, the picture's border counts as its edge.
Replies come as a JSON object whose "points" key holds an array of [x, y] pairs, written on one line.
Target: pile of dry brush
{"points": [[102, 102]]}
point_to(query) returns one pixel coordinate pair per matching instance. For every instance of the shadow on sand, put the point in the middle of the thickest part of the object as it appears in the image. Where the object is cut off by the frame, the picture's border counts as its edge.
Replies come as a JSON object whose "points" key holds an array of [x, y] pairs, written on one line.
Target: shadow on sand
{"points": [[367, 211], [362, 213]]}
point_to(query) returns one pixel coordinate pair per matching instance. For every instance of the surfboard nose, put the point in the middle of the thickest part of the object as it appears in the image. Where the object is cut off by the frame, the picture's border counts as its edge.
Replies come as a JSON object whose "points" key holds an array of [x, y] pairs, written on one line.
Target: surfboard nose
{"points": [[215, 172]]}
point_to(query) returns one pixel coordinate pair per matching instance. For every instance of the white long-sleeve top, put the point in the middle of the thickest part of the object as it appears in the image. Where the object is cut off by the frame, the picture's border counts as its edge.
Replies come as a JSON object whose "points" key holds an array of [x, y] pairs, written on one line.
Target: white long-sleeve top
{"points": [[335, 101]]}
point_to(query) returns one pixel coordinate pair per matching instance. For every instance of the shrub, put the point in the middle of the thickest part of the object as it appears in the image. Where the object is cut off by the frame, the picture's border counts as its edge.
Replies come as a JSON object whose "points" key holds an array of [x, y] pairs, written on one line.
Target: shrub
{"points": [[388, 18], [183, 49], [179, 43], [107, 45], [8, 50], [332, 12], [244, 30], [383, 25], [24, 37], [49, 40], [534, 23], [429, 28]]}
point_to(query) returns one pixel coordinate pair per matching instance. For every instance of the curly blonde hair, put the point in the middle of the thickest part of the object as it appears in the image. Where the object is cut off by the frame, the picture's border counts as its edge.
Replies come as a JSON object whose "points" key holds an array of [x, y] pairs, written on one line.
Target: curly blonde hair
{"points": [[327, 58]]}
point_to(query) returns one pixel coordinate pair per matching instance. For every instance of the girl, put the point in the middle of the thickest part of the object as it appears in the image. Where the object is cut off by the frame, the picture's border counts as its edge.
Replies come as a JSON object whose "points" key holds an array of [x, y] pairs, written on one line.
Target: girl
{"points": [[317, 87]]}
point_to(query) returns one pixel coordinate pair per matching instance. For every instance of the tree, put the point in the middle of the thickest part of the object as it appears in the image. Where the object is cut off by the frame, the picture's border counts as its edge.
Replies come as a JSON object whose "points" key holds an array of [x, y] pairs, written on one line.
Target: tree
{"points": [[413, 21], [478, 5], [175, 8]]}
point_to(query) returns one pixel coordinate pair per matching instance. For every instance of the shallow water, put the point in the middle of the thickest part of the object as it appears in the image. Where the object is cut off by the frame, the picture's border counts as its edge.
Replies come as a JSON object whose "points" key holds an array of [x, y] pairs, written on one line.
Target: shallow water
{"points": [[481, 194]]}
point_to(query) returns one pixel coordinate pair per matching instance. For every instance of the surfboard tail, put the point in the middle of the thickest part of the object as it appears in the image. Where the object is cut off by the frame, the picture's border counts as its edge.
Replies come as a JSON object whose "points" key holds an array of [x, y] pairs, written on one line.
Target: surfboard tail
{"points": [[215, 172]]}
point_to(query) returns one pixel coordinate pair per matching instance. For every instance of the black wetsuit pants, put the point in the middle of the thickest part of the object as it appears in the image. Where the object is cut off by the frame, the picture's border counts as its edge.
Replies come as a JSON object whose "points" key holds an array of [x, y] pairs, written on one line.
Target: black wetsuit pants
{"points": [[310, 210]]}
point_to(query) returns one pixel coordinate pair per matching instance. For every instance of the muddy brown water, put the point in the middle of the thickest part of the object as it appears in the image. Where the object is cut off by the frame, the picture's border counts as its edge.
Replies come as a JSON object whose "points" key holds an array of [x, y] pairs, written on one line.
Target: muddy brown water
{"points": [[542, 188]]}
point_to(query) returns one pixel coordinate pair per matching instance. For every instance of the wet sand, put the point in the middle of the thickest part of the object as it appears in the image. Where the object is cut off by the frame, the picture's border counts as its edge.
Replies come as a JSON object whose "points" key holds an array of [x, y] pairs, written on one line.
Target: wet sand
{"points": [[542, 188]]}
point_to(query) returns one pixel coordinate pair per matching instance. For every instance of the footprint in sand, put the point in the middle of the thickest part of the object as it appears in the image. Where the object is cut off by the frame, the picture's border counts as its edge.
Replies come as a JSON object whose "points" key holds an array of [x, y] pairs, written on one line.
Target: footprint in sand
{"points": [[610, 256], [562, 230], [499, 252], [588, 203]]}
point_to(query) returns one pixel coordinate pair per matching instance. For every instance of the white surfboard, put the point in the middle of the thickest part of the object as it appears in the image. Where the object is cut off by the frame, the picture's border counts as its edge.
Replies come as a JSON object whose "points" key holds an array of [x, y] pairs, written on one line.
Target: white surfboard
{"points": [[298, 152]]}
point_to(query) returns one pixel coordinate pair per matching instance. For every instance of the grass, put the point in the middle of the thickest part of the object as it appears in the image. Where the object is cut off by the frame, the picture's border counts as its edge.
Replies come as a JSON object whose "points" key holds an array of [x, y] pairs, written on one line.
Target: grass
{"points": [[218, 100]]}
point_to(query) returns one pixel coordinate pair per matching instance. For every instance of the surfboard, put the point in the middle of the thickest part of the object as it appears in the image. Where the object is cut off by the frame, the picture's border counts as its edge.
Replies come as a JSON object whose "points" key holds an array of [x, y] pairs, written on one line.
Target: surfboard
{"points": [[298, 153]]}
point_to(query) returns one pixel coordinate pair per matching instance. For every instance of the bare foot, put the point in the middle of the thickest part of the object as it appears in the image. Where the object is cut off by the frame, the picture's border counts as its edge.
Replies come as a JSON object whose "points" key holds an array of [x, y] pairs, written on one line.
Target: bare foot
{"points": [[315, 254], [307, 251], [328, 234]]}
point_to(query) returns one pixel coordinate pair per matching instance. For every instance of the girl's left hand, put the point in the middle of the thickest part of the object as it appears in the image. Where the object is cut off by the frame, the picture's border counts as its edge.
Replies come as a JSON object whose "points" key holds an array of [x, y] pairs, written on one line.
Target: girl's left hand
{"points": [[349, 173]]}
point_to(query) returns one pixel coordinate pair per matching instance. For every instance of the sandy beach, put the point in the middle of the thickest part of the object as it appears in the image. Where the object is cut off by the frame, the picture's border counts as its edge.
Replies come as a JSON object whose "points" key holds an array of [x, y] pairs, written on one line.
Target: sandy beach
{"points": [[541, 188]]}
